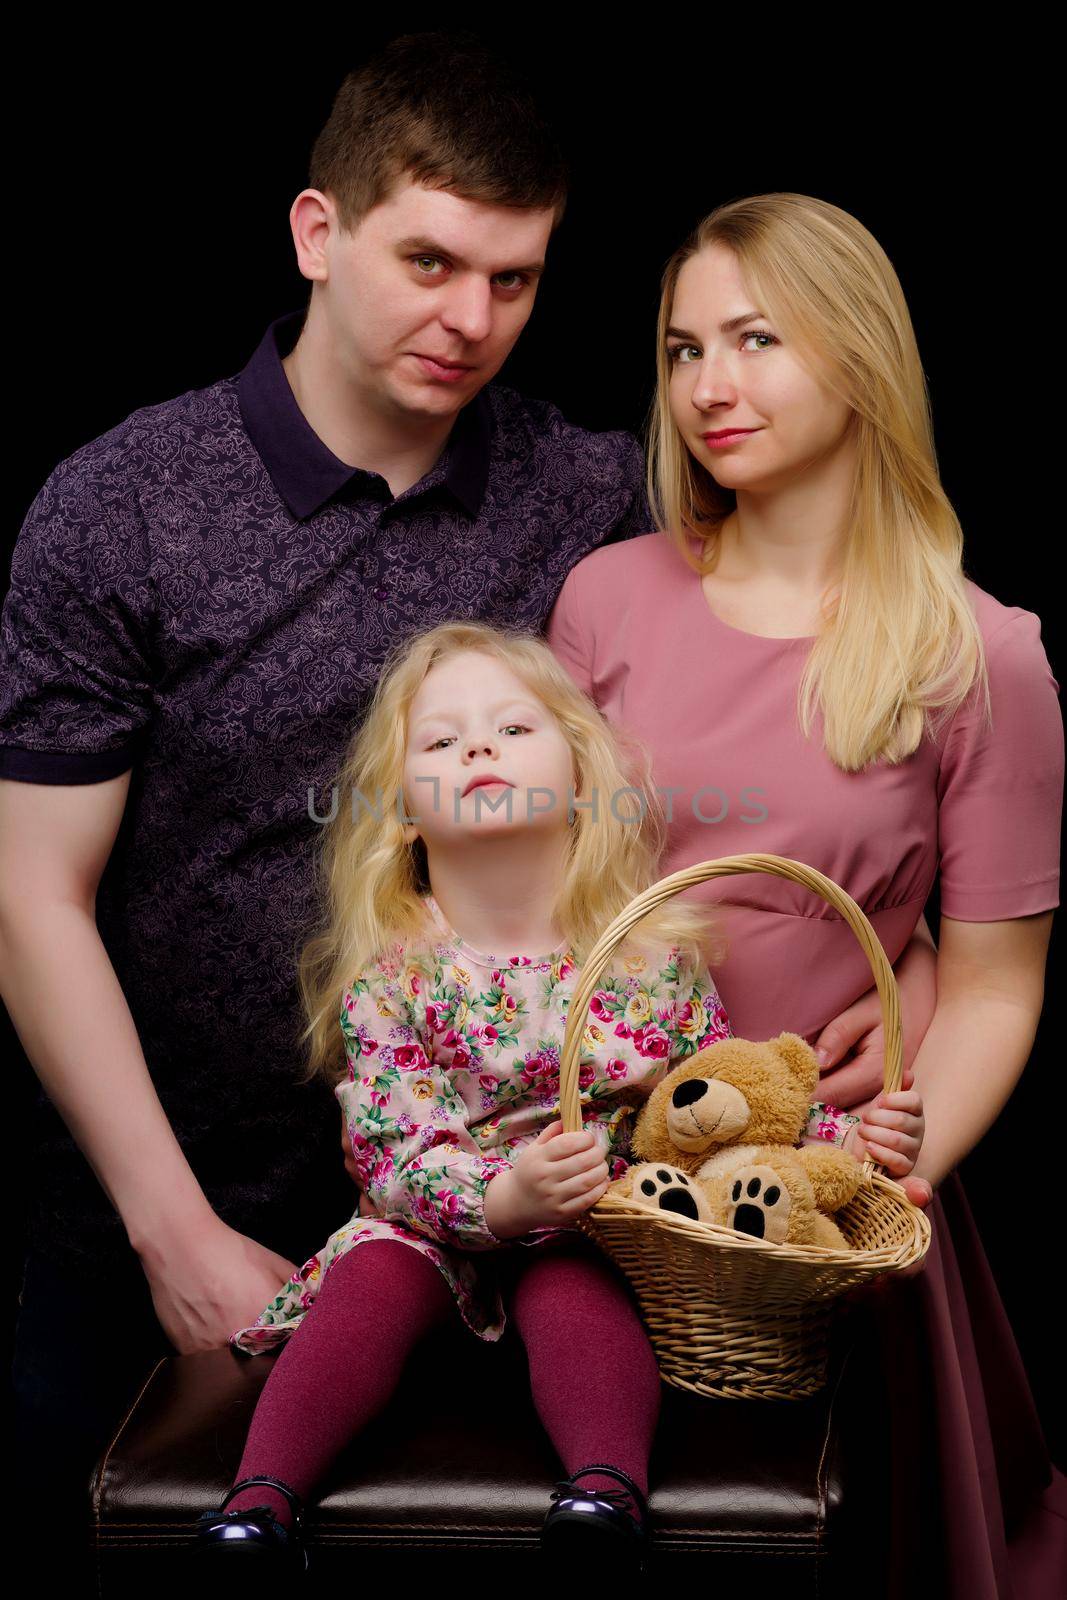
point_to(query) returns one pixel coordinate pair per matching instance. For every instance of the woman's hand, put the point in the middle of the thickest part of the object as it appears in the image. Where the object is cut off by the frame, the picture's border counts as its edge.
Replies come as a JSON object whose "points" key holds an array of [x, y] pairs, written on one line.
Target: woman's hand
{"points": [[210, 1280], [859, 1029]]}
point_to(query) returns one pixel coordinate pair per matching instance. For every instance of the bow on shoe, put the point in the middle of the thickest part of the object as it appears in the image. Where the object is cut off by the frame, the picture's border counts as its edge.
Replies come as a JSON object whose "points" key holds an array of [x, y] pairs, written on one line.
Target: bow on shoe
{"points": [[627, 1500], [567, 1490], [615, 1519]]}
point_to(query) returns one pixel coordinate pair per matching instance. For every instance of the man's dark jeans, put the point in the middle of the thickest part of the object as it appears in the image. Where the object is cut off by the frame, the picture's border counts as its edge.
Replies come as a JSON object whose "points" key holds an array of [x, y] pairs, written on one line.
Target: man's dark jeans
{"points": [[83, 1348]]}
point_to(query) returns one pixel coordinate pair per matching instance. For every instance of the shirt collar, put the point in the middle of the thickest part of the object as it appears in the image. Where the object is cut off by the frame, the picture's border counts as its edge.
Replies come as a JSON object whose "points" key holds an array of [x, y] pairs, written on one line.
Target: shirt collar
{"points": [[305, 471]]}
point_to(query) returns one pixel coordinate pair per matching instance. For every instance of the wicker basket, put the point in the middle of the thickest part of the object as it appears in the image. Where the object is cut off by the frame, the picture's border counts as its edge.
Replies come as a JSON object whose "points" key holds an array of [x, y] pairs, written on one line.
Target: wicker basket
{"points": [[729, 1315]]}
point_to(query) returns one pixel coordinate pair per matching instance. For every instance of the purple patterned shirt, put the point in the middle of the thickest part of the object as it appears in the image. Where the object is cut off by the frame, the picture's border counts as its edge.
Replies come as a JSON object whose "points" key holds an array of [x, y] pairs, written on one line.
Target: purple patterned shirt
{"points": [[205, 594]]}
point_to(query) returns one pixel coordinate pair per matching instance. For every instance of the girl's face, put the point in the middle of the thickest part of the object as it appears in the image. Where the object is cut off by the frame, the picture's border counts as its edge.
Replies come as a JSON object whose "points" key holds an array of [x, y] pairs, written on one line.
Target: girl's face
{"points": [[730, 370], [472, 719]]}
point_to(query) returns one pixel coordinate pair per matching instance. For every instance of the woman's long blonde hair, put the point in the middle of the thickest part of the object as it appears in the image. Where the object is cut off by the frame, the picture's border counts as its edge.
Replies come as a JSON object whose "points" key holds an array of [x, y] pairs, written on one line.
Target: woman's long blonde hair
{"points": [[902, 638], [371, 881]]}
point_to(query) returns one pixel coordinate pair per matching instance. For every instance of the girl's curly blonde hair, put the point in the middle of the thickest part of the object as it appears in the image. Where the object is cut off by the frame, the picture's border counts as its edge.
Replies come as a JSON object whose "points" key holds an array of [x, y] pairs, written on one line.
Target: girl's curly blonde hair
{"points": [[371, 882]]}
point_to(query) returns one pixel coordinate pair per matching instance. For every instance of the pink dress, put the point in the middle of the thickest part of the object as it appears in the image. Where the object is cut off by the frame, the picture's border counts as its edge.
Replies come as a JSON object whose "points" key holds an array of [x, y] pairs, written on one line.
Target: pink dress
{"points": [[716, 709]]}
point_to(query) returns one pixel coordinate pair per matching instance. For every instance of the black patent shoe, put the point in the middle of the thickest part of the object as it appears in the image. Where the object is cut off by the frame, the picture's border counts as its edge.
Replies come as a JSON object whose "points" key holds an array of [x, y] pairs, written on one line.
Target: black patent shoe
{"points": [[594, 1522], [254, 1534]]}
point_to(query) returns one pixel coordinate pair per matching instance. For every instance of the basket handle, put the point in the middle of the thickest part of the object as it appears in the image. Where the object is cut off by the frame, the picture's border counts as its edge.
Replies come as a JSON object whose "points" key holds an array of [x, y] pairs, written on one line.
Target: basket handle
{"points": [[725, 867]]}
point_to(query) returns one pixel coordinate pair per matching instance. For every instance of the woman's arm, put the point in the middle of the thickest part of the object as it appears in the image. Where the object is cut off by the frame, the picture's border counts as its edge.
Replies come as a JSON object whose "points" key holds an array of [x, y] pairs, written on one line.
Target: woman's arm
{"points": [[990, 988]]}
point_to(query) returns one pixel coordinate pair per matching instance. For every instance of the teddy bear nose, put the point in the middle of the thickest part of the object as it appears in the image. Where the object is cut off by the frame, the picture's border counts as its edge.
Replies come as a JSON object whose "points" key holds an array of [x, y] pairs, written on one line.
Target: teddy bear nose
{"points": [[686, 1093]]}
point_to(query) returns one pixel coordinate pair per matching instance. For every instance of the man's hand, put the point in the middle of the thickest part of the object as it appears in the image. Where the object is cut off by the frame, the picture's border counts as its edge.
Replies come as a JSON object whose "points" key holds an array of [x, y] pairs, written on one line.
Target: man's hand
{"points": [[210, 1281]]}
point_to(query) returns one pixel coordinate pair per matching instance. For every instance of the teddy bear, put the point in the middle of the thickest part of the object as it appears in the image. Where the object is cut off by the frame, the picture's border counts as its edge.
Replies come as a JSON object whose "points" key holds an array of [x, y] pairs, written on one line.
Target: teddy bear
{"points": [[716, 1142]]}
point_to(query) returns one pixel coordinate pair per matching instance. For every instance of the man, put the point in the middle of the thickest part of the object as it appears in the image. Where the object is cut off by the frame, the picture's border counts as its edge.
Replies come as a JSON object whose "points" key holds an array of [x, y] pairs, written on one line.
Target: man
{"points": [[200, 603]]}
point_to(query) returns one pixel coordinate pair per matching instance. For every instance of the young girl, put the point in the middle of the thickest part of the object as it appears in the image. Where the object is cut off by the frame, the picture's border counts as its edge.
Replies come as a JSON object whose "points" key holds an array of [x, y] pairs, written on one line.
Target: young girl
{"points": [[487, 826]]}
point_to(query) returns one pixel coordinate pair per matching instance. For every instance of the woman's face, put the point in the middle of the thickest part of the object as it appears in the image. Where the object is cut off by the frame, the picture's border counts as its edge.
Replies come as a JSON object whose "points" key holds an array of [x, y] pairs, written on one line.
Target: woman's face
{"points": [[472, 718], [730, 369]]}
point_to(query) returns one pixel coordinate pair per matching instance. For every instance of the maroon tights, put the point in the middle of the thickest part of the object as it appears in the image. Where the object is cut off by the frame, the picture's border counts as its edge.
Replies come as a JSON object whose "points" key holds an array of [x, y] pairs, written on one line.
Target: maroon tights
{"points": [[593, 1374]]}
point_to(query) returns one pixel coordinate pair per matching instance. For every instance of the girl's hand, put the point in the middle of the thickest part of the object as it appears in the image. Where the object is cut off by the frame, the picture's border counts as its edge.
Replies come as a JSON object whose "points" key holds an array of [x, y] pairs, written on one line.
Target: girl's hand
{"points": [[554, 1179], [891, 1132]]}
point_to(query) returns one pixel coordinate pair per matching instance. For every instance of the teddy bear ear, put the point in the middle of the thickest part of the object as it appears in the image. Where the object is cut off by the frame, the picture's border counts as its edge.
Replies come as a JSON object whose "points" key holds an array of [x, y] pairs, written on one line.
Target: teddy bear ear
{"points": [[798, 1056]]}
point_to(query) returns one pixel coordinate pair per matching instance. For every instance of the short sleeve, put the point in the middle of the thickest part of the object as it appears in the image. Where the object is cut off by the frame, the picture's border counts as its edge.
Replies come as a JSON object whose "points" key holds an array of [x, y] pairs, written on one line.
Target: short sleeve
{"points": [[1000, 789], [414, 1150], [76, 695], [568, 636]]}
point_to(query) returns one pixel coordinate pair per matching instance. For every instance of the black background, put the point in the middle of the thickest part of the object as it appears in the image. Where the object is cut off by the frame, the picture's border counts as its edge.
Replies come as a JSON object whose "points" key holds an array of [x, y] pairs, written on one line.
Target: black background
{"points": [[150, 234]]}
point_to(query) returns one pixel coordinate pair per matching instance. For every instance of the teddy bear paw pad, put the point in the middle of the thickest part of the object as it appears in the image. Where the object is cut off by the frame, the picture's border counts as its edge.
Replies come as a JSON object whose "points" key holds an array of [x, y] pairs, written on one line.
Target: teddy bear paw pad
{"points": [[668, 1189], [759, 1204]]}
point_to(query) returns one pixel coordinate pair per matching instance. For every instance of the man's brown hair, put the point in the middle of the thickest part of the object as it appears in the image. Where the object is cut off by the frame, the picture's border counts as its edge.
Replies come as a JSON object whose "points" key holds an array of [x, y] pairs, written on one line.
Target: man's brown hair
{"points": [[444, 109]]}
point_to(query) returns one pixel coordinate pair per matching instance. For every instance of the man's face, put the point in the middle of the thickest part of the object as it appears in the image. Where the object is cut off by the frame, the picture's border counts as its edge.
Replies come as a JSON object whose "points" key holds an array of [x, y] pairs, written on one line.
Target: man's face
{"points": [[429, 293]]}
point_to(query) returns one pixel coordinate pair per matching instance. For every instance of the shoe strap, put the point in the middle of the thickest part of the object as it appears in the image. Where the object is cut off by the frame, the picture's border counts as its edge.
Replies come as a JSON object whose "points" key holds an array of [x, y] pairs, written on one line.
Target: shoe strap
{"points": [[614, 1472], [295, 1502]]}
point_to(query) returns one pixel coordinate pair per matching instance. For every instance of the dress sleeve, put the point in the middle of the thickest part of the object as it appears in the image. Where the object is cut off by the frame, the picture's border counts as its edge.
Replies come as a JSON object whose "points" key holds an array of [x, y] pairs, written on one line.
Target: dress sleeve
{"points": [[568, 636], [681, 1019], [415, 1154], [76, 685], [700, 1016], [1000, 789], [828, 1124]]}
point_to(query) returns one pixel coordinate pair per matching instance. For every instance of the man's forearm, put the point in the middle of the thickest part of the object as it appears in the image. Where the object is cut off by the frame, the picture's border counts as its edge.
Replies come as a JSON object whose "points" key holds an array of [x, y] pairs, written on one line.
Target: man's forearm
{"points": [[71, 1015], [970, 1061]]}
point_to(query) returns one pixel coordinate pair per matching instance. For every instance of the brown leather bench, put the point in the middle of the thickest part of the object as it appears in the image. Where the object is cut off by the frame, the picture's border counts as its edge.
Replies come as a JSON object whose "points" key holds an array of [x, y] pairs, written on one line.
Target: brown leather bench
{"points": [[764, 1491]]}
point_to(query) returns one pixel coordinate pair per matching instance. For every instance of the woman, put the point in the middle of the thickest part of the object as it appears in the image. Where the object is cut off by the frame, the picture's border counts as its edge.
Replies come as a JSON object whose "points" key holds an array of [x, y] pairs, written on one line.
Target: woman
{"points": [[815, 677]]}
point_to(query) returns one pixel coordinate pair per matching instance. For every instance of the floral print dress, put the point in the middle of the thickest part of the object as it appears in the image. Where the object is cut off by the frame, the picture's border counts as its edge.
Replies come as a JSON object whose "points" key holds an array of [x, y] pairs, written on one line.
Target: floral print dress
{"points": [[453, 1068]]}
